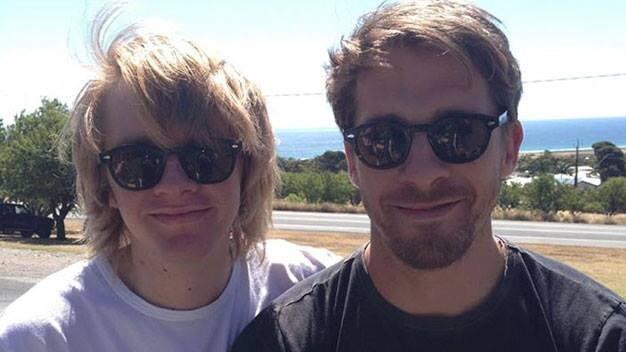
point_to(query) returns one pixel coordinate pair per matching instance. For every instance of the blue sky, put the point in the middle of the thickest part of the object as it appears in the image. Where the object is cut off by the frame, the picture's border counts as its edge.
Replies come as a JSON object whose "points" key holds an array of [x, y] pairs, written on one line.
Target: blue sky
{"points": [[282, 46]]}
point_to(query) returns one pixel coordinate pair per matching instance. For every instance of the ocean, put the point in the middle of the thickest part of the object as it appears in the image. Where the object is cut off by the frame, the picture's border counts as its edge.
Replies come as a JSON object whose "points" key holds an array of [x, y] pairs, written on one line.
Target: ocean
{"points": [[539, 135]]}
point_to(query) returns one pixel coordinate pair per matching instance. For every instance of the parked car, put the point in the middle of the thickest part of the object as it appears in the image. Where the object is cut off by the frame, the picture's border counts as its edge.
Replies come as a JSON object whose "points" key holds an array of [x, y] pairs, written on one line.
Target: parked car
{"points": [[16, 218]]}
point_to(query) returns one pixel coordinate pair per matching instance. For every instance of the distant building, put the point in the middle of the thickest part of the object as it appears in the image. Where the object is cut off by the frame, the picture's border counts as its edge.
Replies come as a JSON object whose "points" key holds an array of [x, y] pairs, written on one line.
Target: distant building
{"points": [[586, 171], [520, 180], [586, 179]]}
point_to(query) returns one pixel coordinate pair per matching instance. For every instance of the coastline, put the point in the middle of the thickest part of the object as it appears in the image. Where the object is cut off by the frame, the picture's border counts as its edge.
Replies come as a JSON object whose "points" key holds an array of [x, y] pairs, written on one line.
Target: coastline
{"points": [[565, 153]]}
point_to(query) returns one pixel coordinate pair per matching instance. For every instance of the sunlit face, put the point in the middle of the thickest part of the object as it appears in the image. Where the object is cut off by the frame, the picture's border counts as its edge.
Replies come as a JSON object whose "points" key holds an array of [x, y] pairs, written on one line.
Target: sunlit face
{"points": [[427, 212], [177, 219]]}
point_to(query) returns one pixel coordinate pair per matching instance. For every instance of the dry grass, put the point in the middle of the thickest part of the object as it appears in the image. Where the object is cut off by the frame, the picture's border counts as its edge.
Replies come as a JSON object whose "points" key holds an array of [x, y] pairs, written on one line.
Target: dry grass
{"points": [[606, 265], [560, 216], [281, 204], [339, 243], [500, 214]]}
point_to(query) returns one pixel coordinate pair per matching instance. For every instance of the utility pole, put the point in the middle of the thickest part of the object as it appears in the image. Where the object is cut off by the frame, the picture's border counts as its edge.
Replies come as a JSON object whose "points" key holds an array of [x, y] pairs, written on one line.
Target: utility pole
{"points": [[576, 164]]}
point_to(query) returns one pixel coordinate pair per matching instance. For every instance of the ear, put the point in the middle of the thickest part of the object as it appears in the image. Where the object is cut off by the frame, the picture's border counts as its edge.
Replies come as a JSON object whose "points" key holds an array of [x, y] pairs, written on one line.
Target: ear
{"points": [[512, 140], [351, 158]]}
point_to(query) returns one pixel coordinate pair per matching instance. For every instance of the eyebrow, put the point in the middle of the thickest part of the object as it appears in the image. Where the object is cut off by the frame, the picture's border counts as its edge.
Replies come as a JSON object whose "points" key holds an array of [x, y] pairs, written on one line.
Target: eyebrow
{"points": [[439, 114], [458, 112], [137, 140]]}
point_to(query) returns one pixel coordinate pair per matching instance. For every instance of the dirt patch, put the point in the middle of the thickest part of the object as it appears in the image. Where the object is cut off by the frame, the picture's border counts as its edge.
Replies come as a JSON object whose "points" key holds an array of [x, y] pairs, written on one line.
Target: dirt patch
{"points": [[32, 265]]}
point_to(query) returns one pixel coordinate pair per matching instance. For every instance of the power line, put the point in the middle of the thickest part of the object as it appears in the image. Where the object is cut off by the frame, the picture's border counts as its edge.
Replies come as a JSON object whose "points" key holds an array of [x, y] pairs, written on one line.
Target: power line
{"points": [[294, 94], [304, 94], [545, 80], [574, 78]]}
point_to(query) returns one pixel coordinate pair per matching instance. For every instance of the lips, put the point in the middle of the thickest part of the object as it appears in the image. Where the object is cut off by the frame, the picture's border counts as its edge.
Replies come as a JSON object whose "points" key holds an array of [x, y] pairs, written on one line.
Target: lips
{"points": [[180, 215], [427, 211]]}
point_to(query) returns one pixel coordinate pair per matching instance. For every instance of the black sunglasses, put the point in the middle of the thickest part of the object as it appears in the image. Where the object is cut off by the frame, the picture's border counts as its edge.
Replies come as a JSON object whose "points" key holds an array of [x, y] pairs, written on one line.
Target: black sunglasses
{"points": [[140, 166], [457, 139]]}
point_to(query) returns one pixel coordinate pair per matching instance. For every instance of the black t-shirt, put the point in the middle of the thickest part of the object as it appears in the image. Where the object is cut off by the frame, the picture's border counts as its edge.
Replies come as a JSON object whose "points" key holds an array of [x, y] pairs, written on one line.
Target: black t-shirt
{"points": [[538, 305]]}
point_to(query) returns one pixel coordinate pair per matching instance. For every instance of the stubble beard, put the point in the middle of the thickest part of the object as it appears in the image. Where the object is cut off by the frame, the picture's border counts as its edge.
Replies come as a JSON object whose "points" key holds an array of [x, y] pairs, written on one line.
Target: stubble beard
{"points": [[438, 244]]}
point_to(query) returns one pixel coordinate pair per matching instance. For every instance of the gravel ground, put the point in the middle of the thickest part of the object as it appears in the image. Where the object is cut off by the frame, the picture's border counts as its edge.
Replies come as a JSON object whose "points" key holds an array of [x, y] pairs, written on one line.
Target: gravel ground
{"points": [[31, 266]]}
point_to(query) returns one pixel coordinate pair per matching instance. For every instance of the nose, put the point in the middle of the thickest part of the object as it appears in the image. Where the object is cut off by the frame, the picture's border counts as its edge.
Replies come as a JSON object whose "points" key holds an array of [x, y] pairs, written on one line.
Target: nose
{"points": [[422, 167], [174, 180]]}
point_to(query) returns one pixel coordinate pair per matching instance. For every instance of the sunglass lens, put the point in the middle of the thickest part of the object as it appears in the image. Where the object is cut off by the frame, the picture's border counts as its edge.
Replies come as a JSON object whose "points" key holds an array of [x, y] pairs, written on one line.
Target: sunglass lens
{"points": [[383, 145], [459, 140], [137, 167], [208, 164]]}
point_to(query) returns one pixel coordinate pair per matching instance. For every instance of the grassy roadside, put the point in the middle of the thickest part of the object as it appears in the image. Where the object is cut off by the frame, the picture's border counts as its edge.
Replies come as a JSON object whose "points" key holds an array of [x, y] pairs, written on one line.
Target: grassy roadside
{"points": [[498, 214], [606, 265]]}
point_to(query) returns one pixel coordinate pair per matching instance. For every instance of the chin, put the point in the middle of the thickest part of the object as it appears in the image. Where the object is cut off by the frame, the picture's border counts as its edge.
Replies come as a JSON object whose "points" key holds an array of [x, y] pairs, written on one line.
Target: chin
{"points": [[189, 246], [431, 246]]}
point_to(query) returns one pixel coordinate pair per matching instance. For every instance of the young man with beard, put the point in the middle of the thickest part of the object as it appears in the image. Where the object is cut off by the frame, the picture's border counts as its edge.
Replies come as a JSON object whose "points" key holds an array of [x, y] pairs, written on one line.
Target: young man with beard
{"points": [[426, 95]]}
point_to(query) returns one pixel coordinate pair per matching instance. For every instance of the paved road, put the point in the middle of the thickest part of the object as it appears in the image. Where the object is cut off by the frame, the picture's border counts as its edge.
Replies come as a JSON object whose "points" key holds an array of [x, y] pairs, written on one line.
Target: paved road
{"points": [[10, 289], [516, 231]]}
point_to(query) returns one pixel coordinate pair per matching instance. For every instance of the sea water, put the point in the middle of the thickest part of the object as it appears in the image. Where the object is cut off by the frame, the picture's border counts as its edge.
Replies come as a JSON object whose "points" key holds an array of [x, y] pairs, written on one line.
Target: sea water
{"points": [[539, 135]]}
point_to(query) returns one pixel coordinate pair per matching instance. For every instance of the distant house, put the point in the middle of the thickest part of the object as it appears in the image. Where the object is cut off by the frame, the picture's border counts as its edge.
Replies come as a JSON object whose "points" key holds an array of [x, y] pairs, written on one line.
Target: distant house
{"points": [[589, 183], [520, 180], [586, 171], [585, 180]]}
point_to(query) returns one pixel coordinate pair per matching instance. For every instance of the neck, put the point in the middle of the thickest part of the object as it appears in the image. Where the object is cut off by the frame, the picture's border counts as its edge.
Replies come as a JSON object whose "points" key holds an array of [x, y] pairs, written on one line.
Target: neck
{"points": [[175, 284], [448, 291]]}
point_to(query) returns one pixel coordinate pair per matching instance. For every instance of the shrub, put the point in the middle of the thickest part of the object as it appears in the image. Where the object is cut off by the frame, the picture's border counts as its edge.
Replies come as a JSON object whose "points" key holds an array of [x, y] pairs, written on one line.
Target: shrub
{"points": [[510, 196], [612, 195], [572, 199], [543, 193], [295, 198], [593, 207], [337, 188], [316, 187]]}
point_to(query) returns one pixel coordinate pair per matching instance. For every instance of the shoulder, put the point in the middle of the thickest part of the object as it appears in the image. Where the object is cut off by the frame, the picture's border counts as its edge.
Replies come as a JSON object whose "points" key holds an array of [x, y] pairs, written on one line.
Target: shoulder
{"points": [[612, 335], [276, 265], [302, 315], [324, 284], [285, 252], [282, 258], [42, 313], [556, 279], [577, 307]]}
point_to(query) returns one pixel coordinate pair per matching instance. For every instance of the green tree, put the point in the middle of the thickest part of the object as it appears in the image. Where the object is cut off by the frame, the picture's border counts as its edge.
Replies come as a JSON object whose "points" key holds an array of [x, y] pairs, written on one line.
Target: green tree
{"points": [[510, 196], [337, 188], [3, 132], [543, 193], [546, 163], [31, 171], [308, 185], [333, 161], [294, 165], [609, 160], [315, 187], [573, 199], [612, 195]]}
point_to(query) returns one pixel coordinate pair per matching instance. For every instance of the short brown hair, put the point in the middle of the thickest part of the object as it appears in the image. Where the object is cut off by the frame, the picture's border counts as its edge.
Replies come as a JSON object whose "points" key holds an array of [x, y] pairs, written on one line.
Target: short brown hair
{"points": [[176, 84], [464, 30]]}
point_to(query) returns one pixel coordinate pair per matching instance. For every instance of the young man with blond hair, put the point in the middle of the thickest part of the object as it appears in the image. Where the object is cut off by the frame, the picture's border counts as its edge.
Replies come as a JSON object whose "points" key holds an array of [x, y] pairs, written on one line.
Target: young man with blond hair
{"points": [[176, 168]]}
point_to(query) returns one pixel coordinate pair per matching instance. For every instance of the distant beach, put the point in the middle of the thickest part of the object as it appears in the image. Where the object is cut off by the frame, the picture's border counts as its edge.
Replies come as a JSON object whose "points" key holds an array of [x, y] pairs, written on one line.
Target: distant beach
{"points": [[558, 136], [572, 152]]}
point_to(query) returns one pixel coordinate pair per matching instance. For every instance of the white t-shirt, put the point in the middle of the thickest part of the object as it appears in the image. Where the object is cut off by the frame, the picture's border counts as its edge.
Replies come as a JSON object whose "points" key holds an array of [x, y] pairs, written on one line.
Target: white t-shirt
{"points": [[86, 307]]}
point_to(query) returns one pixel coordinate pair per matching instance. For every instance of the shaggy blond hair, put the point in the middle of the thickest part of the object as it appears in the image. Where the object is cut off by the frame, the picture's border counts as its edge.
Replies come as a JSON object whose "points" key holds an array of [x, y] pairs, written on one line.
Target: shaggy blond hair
{"points": [[177, 85], [457, 28]]}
